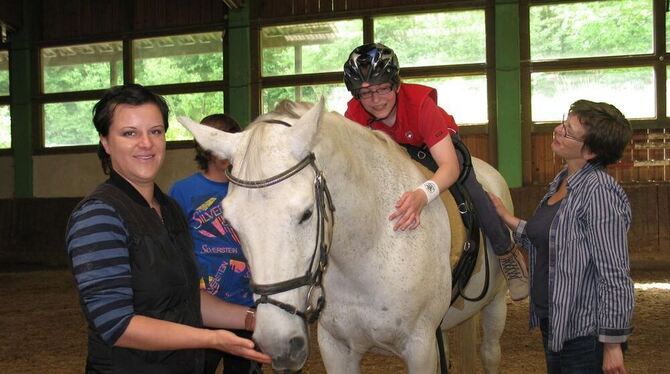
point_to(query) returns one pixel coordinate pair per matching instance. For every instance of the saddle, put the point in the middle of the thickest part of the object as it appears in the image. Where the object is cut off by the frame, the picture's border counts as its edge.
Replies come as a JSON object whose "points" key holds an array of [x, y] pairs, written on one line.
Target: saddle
{"points": [[465, 231]]}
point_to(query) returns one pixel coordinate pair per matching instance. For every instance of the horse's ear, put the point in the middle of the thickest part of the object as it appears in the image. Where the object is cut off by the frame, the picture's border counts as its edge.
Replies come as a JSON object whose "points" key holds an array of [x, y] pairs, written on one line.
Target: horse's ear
{"points": [[220, 143], [304, 130]]}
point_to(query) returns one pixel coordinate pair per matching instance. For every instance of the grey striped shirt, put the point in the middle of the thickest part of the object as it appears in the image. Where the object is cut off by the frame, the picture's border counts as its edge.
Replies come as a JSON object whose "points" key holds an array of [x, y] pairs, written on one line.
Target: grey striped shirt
{"points": [[97, 243], [590, 288]]}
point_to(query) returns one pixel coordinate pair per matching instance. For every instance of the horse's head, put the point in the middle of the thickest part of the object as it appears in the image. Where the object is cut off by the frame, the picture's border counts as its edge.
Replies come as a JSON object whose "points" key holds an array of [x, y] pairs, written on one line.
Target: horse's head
{"points": [[278, 203]]}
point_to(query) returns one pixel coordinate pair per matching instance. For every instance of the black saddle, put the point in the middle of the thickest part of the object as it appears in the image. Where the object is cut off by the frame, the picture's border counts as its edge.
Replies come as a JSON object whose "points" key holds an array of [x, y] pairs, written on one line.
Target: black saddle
{"points": [[462, 272]]}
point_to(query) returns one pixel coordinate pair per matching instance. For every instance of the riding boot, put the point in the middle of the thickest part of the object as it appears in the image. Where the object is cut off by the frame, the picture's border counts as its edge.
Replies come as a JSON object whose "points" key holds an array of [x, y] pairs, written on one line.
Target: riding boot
{"points": [[514, 269]]}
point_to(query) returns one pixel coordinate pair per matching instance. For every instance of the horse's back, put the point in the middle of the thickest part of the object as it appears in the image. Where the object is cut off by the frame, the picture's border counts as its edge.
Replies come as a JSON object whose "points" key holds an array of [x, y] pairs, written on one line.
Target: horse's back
{"points": [[492, 181]]}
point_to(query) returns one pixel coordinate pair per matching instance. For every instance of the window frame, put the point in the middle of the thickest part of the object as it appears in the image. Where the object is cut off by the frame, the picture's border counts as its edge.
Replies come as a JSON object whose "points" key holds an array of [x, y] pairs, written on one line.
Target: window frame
{"points": [[41, 98]]}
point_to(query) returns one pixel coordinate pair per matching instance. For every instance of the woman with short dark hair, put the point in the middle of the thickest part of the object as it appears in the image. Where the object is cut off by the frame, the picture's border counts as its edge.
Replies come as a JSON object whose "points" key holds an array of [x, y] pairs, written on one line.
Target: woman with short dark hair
{"points": [[132, 256]]}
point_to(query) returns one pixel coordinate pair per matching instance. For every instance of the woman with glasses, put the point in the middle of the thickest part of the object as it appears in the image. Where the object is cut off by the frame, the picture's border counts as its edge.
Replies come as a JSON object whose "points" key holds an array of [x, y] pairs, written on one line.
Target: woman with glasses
{"points": [[581, 293], [410, 115]]}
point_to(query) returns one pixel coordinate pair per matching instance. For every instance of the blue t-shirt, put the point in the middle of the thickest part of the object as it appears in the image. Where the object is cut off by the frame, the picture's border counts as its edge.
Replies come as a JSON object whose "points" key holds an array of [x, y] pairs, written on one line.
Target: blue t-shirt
{"points": [[223, 268]]}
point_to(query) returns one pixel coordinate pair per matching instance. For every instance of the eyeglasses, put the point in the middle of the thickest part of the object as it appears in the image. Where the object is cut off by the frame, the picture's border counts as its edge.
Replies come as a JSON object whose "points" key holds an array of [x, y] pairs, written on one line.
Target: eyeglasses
{"points": [[381, 91], [566, 134]]}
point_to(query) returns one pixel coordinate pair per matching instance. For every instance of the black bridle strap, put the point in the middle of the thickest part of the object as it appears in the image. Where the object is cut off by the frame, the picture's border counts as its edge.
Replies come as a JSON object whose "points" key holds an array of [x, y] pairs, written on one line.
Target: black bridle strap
{"points": [[286, 307], [309, 159], [271, 289], [322, 244]]}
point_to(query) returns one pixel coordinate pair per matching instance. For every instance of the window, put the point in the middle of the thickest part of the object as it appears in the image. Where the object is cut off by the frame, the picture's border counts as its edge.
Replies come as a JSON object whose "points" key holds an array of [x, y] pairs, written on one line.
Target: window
{"points": [[336, 96], [178, 59], [82, 67], [185, 69], [576, 34], [462, 97], [193, 105], [76, 69], [5, 128], [289, 52], [308, 48], [304, 61], [4, 73], [611, 51], [420, 40], [632, 90], [445, 38], [5, 120], [69, 124], [194, 62]]}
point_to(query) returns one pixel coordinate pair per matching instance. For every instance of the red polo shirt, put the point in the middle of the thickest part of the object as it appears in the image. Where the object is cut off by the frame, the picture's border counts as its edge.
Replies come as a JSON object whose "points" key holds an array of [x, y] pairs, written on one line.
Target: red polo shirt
{"points": [[419, 120]]}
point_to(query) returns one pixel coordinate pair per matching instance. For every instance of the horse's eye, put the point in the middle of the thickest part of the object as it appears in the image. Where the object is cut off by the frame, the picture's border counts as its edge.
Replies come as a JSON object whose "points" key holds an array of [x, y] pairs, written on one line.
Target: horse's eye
{"points": [[305, 216]]}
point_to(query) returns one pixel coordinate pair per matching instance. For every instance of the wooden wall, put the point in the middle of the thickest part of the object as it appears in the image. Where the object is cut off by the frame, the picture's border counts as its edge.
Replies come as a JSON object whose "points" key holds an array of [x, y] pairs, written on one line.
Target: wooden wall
{"points": [[314, 8], [649, 236], [478, 145], [63, 20], [33, 231], [11, 13], [645, 160]]}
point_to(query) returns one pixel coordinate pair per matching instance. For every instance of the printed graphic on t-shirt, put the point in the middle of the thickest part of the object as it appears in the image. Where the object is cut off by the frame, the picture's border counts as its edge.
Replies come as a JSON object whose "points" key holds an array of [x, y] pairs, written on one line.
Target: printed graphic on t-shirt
{"points": [[217, 247], [209, 213]]}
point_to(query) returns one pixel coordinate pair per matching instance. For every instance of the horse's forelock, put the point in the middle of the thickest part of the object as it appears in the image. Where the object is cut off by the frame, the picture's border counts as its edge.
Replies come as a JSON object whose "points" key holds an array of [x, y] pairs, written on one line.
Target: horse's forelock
{"points": [[251, 165]]}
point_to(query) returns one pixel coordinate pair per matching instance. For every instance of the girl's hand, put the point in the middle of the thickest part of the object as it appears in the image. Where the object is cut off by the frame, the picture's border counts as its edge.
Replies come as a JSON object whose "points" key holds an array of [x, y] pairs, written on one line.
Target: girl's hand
{"points": [[408, 210]]}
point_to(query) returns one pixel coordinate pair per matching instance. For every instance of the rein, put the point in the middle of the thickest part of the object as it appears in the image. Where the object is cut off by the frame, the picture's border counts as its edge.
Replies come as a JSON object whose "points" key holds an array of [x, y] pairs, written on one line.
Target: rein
{"points": [[312, 277]]}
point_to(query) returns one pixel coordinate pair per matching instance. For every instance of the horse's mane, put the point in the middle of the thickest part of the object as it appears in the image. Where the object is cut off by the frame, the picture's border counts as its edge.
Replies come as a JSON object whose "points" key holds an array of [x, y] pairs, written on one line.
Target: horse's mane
{"points": [[288, 111]]}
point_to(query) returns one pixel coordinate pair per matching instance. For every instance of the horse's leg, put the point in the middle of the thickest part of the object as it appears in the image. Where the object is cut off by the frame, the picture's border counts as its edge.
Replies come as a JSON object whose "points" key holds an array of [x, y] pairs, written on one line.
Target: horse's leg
{"points": [[420, 353], [336, 356], [492, 321]]}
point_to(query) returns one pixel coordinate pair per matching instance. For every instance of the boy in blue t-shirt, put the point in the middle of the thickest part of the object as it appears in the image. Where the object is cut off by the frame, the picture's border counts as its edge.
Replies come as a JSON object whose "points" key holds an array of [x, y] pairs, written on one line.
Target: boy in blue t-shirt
{"points": [[223, 268]]}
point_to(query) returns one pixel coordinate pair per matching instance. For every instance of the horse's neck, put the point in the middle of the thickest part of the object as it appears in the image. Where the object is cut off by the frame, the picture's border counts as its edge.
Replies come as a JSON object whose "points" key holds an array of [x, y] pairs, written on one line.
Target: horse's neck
{"points": [[365, 171], [354, 153]]}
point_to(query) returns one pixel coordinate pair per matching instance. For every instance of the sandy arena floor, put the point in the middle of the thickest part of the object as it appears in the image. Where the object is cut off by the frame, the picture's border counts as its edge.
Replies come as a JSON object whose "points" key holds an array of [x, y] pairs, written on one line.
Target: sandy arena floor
{"points": [[42, 329]]}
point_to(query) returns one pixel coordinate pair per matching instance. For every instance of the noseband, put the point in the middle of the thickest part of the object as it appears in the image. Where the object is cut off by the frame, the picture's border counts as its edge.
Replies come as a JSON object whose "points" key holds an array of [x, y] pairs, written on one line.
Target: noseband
{"points": [[313, 277]]}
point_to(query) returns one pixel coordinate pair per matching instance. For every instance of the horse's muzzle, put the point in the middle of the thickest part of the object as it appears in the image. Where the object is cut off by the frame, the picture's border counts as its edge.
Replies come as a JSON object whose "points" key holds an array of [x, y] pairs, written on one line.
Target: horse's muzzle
{"points": [[292, 360]]}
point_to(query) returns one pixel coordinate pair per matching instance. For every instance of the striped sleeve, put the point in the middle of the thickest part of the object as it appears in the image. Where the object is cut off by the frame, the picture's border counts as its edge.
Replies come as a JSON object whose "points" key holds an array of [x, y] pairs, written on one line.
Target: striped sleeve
{"points": [[609, 218], [96, 242]]}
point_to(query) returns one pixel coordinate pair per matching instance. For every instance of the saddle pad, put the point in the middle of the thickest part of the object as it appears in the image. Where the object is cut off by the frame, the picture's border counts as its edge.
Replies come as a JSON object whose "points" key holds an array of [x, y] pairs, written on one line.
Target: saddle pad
{"points": [[455, 221]]}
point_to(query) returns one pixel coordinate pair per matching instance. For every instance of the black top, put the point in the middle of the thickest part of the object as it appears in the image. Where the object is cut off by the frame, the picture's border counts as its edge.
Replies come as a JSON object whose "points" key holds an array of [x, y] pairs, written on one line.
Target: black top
{"points": [[164, 280], [537, 230]]}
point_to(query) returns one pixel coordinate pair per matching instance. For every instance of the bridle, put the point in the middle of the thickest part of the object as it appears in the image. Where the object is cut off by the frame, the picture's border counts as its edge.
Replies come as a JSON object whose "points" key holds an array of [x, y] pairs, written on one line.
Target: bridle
{"points": [[313, 277]]}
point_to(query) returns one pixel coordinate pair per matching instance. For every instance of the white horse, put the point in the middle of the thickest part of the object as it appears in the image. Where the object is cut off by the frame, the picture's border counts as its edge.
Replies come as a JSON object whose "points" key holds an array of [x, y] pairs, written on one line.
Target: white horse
{"points": [[383, 290]]}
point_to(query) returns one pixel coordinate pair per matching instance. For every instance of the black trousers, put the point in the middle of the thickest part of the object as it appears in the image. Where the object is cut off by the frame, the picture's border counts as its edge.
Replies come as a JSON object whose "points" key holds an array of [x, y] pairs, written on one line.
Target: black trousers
{"points": [[489, 221]]}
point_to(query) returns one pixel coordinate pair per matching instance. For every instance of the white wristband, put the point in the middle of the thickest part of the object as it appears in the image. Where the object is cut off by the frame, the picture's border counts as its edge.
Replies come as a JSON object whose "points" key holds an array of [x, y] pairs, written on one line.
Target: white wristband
{"points": [[430, 189]]}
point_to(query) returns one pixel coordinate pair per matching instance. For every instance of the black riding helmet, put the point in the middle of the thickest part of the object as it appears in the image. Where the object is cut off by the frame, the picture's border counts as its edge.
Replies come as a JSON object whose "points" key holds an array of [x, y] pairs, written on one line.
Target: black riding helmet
{"points": [[374, 63]]}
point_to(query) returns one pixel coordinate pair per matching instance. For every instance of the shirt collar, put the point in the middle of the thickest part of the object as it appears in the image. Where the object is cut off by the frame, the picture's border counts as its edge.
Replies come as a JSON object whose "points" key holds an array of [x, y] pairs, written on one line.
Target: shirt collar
{"points": [[575, 179], [121, 183]]}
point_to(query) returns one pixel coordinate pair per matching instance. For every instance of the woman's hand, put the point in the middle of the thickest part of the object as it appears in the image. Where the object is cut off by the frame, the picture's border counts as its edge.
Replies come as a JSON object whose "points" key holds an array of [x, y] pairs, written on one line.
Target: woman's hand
{"points": [[511, 221], [613, 359], [498, 204], [233, 344], [408, 210]]}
